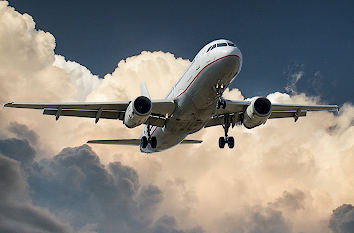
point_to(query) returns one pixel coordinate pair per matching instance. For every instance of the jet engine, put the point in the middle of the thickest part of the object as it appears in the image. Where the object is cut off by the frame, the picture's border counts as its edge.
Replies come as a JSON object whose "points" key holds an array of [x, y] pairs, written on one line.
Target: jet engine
{"points": [[257, 112], [137, 112]]}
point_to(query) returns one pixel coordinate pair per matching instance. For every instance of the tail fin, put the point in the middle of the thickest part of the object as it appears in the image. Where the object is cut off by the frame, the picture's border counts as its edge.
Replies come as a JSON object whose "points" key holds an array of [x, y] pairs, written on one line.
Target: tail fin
{"points": [[144, 91]]}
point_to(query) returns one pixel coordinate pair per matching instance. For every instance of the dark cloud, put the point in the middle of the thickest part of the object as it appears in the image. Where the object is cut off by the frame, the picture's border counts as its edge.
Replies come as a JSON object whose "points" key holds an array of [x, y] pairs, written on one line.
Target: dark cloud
{"points": [[167, 224], [257, 219], [17, 149], [290, 200], [342, 219], [17, 214], [77, 188], [23, 132]]}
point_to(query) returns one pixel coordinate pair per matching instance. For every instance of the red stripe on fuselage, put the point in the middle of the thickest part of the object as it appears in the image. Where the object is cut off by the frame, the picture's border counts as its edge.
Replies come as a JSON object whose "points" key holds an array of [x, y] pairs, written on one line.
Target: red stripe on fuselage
{"points": [[232, 55]]}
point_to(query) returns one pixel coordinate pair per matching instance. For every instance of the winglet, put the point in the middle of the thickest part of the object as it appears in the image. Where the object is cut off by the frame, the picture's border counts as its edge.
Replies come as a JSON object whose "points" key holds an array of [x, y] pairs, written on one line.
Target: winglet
{"points": [[144, 91]]}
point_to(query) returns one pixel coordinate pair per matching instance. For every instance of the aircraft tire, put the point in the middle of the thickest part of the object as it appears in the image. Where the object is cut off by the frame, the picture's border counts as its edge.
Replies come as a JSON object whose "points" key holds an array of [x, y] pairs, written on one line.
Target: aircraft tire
{"points": [[153, 142], [143, 142], [221, 142], [231, 142]]}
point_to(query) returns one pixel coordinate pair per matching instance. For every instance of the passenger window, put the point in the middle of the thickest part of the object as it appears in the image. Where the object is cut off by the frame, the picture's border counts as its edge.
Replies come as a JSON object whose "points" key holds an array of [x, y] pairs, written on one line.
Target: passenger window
{"points": [[222, 44], [231, 44]]}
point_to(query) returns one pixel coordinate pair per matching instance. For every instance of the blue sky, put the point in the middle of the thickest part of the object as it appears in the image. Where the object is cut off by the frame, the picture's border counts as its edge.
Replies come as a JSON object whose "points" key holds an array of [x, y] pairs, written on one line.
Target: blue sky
{"points": [[277, 38]]}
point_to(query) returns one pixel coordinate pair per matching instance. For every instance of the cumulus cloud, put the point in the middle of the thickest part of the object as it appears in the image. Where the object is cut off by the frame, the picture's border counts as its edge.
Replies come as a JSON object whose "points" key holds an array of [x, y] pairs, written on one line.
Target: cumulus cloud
{"points": [[277, 174], [80, 190], [342, 219], [17, 213]]}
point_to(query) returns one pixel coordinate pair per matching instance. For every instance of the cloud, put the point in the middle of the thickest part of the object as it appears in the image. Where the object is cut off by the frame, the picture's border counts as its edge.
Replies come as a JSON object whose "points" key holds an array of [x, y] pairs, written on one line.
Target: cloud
{"points": [[342, 219], [257, 219], [17, 214], [22, 131], [277, 173], [80, 190], [294, 73]]}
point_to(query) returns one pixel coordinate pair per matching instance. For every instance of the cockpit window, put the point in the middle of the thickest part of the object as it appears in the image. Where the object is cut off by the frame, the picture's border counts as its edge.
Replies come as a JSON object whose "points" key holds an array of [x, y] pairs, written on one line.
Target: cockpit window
{"points": [[222, 44], [231, 44], [211, 47]]}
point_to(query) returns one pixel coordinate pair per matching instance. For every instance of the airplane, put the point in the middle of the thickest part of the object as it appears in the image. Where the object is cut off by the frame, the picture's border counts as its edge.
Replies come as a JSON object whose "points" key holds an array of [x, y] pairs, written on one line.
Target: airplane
{"points": [[193, 103]]}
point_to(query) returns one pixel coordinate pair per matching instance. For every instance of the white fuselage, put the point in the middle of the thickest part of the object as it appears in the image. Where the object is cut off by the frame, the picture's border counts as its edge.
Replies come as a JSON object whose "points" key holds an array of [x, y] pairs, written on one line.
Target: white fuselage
{"points": [[196, 93]]}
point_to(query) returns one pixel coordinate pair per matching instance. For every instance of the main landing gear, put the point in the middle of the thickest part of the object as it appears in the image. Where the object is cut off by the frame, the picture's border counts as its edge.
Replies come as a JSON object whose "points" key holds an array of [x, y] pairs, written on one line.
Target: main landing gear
{"points": [[230, 141], [146, 140]]}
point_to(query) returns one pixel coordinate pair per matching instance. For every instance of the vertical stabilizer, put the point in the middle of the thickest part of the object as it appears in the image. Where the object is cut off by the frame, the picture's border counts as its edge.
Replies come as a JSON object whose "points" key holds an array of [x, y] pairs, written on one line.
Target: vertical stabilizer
{"points": [[144, 91]]}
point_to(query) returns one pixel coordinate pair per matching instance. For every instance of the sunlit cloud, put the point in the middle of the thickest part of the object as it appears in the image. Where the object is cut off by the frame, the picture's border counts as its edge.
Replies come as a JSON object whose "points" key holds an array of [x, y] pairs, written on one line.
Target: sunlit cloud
{"points": [[277, 174]]}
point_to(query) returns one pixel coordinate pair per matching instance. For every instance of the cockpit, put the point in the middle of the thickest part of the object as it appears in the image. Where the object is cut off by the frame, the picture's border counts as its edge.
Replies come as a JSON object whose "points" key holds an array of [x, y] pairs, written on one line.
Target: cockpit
{"points": [[223, 44]]}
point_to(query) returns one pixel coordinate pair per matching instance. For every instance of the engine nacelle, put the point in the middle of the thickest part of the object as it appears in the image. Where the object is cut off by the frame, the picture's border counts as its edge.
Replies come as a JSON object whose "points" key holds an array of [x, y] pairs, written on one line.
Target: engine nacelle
{"points": [[257, 112], [137, 112]]}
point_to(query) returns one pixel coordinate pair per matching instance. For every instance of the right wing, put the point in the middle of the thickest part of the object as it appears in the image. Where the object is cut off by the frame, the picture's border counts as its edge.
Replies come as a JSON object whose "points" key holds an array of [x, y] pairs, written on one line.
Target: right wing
{"points": [[235, 110], [98, 110]]}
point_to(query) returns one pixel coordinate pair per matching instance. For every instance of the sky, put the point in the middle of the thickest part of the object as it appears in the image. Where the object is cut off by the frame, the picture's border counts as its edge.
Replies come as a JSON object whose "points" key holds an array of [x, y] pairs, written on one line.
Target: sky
{"points": [[51, 181], [277, 38]]}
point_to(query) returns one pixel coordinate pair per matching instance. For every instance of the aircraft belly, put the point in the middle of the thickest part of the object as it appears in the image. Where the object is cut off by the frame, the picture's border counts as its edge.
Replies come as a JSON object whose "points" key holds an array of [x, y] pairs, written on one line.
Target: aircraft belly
{"points": [[203, 91], [195, 105]]}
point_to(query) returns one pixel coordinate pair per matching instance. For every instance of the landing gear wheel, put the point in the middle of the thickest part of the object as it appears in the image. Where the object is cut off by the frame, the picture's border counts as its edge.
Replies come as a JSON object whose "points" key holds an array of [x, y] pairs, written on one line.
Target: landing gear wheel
{"points": [[153, 142], [231, 142], [221, 142], [143, 142]]}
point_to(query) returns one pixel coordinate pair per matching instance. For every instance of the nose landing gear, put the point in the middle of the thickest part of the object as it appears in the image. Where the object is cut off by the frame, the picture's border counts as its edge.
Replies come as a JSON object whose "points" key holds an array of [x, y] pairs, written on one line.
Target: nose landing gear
{"points": [[230, 141], [144, 141], [219, 90]]}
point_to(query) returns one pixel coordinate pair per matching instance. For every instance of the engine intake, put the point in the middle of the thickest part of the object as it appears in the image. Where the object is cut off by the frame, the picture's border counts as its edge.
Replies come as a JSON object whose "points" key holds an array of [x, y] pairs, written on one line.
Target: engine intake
{"points": [[137, 112], [257, 112]]}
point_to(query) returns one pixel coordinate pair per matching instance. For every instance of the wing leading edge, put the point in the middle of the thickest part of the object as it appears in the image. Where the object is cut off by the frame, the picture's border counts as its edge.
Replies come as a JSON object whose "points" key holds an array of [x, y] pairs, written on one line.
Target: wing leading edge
{"points": [[100, 110]]}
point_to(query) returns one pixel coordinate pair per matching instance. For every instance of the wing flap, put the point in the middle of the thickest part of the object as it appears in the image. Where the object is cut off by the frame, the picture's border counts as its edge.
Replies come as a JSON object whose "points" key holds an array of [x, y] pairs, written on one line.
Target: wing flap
{"points": [[86, 113], [287, 114]]}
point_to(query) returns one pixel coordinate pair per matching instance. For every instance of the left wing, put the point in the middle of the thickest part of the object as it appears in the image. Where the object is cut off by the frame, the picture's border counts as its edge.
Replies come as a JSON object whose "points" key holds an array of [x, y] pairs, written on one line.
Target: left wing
{"points": [[98, 110], [235, 109]]}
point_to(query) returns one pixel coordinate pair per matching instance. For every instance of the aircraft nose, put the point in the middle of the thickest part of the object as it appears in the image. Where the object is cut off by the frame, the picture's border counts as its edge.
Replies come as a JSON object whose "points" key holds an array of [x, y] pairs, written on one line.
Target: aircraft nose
{"points": [[234, 51]]}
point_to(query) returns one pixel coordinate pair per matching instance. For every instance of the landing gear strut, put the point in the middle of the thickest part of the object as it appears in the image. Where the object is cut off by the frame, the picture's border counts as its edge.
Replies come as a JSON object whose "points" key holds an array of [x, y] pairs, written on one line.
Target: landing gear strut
{"points": [[144, 141], [230, 141], [221, 103]]}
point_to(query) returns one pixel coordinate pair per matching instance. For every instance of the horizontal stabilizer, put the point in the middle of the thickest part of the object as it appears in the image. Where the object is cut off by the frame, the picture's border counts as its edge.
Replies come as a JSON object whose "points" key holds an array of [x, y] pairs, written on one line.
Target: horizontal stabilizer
{"points": [[133, 142], [186, 141]]}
